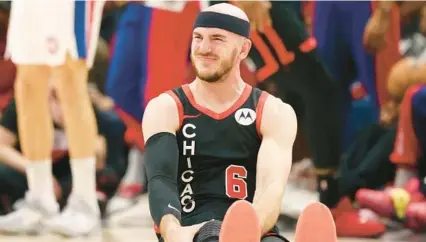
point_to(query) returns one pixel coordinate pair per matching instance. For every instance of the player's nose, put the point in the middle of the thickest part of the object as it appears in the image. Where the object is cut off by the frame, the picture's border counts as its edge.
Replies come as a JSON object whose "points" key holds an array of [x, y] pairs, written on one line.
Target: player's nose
{"points": [[204, 47]]}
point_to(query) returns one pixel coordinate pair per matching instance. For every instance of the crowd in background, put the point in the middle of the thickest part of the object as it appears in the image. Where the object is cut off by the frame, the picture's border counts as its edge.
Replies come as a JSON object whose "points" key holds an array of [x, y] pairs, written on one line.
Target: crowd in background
{"points": [[373, 148]]}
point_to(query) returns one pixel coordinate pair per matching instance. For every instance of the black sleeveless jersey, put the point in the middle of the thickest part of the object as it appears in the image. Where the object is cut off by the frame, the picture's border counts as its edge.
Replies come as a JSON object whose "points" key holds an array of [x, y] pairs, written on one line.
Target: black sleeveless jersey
{"points": [[217, 154]]}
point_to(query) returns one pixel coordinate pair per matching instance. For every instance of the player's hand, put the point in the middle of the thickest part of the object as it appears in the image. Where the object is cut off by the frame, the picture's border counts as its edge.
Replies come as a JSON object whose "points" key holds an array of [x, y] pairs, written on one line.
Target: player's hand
{"points": [[183, 234], [258, 13], [376, 29]]}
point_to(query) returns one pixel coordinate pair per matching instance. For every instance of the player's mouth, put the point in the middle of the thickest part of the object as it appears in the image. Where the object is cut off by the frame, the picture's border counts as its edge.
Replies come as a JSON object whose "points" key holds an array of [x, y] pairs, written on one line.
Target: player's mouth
{"points": [[207, 58]]}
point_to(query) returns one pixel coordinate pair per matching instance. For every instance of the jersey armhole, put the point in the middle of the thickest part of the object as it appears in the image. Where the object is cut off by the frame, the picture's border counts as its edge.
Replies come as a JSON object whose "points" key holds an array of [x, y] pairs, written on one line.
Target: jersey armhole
{"points": [[178, 105], [259, 111]]}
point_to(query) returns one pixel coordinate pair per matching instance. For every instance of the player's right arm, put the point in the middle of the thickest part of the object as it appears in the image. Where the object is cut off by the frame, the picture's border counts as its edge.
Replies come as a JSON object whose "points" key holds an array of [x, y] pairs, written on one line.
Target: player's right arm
{"points": [[159, 125]]}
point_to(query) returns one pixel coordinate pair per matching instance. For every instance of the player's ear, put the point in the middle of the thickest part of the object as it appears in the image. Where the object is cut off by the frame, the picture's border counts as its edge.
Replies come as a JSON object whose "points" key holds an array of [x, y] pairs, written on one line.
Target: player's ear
{"points": [[245, 50]]}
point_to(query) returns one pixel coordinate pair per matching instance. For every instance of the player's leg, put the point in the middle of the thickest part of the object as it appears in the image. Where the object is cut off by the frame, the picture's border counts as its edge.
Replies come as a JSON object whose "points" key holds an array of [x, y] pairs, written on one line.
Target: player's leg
{"points": [[31, 50], [81, 131], [13, 184], [80, 122], [31, 94]]}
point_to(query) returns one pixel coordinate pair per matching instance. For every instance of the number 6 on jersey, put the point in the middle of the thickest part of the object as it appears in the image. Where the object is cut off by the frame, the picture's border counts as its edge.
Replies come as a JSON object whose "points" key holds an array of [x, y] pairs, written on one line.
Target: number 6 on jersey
{"points": [[236, 186]]}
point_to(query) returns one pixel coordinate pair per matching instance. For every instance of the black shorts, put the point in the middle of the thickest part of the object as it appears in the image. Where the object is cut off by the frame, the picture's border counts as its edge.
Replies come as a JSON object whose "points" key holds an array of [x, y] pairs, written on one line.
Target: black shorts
{"points": [[210, 233]]}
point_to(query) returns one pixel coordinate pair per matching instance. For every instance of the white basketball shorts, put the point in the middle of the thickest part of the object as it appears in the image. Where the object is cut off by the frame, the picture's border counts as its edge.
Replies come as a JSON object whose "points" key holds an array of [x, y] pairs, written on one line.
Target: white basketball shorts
{"points": [[42, 32]]}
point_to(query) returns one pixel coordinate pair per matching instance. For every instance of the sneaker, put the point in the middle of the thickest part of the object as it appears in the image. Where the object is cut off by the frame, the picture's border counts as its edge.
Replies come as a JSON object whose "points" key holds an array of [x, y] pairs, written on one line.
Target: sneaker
{"points": [[28, 218], [126, 198], [356, 223], [77, 219]]}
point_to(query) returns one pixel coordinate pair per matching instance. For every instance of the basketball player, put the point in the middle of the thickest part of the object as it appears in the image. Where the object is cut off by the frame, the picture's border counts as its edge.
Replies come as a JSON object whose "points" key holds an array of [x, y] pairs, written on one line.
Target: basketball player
{"points": [[217, 140], [55, 39]]}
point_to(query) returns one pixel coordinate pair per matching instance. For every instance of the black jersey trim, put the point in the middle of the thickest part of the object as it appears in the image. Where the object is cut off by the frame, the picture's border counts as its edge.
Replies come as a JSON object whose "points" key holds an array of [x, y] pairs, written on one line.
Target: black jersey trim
{"points": [[179, 106]]}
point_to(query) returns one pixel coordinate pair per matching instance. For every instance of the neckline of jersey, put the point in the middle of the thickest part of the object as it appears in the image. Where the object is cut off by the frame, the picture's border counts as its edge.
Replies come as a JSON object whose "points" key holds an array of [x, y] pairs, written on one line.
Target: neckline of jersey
{"points": [[215, 115]]}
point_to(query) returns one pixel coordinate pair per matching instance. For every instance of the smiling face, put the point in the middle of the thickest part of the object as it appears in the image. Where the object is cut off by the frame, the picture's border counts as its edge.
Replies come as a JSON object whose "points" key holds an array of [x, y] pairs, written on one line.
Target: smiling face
{"points": [[214, 53]]}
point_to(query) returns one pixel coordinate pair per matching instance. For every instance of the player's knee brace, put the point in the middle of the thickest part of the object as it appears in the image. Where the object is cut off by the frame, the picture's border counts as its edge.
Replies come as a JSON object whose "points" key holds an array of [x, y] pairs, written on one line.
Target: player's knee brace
{"points": [[209, 232]]}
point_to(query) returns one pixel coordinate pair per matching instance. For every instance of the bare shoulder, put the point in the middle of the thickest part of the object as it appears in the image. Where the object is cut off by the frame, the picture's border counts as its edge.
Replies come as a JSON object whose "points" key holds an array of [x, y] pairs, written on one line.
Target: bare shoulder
{"points": [[278, 118], [161, 115]]}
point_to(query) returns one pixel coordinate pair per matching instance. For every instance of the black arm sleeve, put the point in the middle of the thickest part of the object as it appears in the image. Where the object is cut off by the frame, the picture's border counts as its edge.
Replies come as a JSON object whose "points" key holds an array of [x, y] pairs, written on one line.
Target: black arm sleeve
{"points": [[161, 161]]}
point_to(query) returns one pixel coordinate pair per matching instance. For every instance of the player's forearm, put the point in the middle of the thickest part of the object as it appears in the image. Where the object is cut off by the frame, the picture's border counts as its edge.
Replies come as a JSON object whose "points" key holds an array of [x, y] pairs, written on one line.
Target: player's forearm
{"points": [[13, 158], [267, 203], [161, 157]]}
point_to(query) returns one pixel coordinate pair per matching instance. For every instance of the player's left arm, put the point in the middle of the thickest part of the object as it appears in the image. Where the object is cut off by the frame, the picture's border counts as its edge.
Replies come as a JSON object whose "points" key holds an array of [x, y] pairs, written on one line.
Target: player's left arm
{"points": [[278, 129]]}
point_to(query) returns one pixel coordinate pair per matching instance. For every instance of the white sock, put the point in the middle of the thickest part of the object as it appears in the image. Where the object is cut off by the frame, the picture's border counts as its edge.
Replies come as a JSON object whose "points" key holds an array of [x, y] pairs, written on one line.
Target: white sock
{"points": [[40, 182], [402, 176], [134, 171], [84, 180]]}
